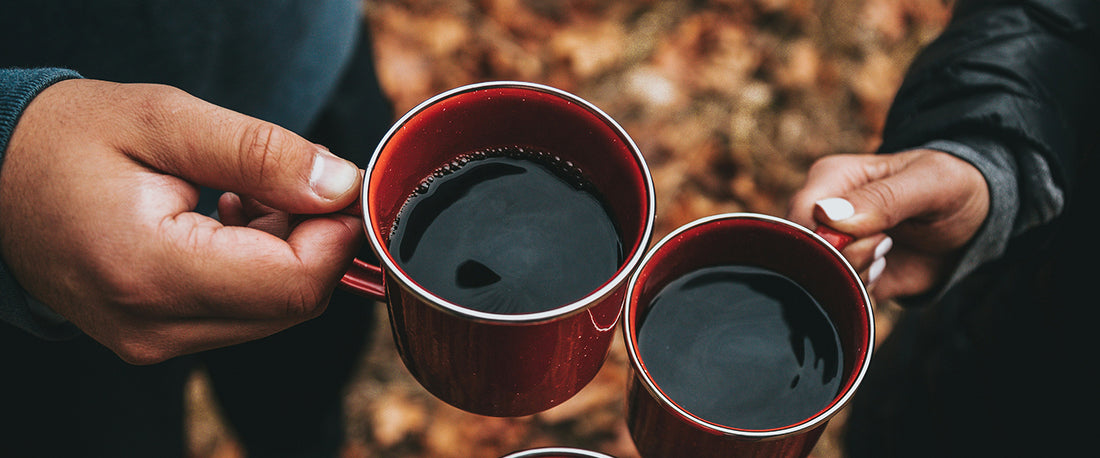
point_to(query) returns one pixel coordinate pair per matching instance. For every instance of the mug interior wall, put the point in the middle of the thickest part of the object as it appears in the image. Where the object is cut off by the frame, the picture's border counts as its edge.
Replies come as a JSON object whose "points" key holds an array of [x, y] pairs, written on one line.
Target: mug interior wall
{"points": [[510, 116], [771, 245]]}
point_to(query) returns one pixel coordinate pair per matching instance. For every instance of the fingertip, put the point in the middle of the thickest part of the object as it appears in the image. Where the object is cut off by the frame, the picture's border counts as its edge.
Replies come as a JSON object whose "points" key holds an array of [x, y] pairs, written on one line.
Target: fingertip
{"points": [[229, 199], [231, 210], [883, 247], [331, 177], [875, 271]]}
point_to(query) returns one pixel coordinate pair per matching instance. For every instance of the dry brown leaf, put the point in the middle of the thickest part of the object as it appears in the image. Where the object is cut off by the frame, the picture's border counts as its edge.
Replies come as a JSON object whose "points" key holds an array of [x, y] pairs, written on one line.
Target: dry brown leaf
{"points": [[589, 48], [729, 100], [395, 417]]}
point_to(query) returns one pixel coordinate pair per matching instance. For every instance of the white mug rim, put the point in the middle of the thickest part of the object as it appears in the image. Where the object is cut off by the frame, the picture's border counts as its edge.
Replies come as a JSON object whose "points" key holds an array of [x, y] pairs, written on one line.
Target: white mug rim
{"points": [[390, 268], [640, 373]]}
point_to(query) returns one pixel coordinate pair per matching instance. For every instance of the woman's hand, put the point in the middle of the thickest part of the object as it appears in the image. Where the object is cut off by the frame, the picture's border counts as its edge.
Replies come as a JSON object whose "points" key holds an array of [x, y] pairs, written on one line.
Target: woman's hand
{"points": [[911, 213]]}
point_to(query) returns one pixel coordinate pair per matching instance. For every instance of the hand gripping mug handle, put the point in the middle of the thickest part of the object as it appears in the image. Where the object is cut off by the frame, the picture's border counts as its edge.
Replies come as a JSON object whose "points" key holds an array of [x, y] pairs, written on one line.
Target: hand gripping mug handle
{"points": [[364, 279]]}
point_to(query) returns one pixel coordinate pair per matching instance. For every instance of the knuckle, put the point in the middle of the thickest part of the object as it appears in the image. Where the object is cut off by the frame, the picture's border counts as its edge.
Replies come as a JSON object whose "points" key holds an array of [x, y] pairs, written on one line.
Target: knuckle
{"points": [[123, 287], [873, 170], [841, 160], [817, 177], [827, 163], [156, 104], [306, 303], [141, 352], [882, 197], [261, 149], [944, 163]]}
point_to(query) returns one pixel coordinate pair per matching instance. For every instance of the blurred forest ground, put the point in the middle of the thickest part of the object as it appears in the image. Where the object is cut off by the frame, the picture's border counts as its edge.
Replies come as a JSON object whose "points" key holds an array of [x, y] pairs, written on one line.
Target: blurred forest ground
{"points": [[730, 101]]}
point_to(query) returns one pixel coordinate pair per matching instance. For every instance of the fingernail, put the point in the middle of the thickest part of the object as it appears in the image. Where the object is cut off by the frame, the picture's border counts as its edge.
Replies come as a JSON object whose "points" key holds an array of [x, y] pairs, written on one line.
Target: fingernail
{"points": [[836, 209], [883, 247], [876, 270], [331, 176]]}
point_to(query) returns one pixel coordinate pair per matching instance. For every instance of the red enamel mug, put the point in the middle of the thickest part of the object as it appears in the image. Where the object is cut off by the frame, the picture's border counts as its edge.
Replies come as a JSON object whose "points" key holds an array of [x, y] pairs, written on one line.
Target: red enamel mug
{"points": [[556, 452], [491, 363], [661, 424]]}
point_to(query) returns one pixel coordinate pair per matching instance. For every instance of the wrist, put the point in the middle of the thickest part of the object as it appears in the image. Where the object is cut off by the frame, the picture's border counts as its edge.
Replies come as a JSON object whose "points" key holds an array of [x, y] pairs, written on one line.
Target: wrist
{"points": [[17, 88]]}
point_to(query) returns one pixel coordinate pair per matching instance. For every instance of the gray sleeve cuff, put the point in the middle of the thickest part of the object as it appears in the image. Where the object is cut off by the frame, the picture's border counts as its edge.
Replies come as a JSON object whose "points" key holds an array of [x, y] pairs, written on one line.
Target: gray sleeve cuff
{"points": [[991, 239]]}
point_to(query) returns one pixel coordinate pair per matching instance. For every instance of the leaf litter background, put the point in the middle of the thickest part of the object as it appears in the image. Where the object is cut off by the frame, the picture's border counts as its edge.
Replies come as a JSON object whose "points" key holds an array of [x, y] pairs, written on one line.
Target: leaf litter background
{"points": [[730, 101]]}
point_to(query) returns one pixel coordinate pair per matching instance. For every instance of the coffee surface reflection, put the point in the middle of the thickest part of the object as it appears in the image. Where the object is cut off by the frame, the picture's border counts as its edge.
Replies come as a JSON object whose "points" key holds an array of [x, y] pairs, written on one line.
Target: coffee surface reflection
{"points": [[507, 230], [742, 347]]}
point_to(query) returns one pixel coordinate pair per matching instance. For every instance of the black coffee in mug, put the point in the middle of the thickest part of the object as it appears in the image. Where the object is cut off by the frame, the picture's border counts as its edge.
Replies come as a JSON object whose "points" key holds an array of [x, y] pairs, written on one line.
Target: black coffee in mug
{"points": [[507, 230], [742, 347]]}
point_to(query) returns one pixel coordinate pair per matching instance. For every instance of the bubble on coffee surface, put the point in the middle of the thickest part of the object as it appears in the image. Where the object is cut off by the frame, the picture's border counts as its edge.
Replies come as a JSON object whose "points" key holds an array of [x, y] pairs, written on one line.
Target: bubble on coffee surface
{"points": [[563, 168]]}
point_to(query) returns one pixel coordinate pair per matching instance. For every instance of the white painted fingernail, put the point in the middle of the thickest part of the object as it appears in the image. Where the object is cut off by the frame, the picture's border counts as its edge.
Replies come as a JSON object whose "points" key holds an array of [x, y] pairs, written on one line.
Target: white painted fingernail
{"points": [[836, 208], [883, 247], [876, 270], [331, 177]]}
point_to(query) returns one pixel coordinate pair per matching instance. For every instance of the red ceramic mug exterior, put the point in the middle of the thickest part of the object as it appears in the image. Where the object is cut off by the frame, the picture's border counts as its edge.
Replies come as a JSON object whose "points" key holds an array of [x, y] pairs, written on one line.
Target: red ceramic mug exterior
{"points": [[487, 363], [658, 425]]}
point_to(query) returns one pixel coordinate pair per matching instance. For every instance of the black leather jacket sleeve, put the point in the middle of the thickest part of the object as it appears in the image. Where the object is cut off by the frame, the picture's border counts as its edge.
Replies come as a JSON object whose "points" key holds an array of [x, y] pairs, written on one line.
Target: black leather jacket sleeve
{"points": [[1010, 86]]}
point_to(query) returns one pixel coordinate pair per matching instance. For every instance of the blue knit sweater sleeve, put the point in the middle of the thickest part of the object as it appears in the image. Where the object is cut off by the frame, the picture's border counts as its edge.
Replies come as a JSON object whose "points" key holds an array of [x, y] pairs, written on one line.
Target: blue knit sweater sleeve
{"points": [[17, 88]]}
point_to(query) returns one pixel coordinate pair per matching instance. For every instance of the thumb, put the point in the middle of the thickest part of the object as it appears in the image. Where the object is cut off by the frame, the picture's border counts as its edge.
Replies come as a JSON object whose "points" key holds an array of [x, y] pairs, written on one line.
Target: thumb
{"points": [[894, 191], [222, 149]]}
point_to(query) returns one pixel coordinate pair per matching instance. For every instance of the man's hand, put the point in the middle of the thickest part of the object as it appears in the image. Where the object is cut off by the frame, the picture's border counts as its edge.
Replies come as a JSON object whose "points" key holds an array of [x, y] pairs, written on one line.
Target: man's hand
{"points": [[929, 202], [96, 196]]}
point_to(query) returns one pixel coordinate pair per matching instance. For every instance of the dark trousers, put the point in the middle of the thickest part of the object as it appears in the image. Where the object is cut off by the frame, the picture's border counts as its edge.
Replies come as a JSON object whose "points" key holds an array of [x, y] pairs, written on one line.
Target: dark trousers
{"points": [[282, 394]]}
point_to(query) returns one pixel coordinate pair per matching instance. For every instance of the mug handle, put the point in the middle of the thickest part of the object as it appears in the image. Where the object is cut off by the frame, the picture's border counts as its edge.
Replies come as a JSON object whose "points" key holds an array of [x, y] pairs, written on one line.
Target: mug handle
{"points": [[837, 239], [365, 280]]}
